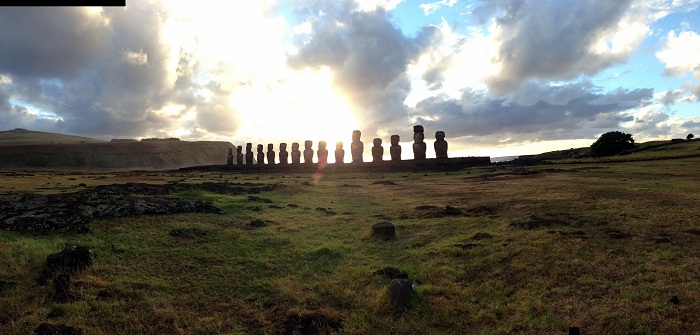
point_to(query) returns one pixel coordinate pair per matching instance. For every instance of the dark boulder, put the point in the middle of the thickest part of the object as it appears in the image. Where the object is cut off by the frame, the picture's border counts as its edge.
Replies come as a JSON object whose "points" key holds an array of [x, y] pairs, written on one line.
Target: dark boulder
{"points": [[400, 292], [73, 258], [384, 230], [70, 260]]}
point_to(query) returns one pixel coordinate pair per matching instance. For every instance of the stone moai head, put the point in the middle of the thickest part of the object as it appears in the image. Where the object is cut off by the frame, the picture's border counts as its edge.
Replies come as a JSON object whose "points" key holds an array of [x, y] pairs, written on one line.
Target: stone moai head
{"points": [[308, 144], [440, 135], [356, 135], [270, 147], [230, 151], [283, 146], [395, 139], [260, 148], [248, 146], [377, 142], [338, 145], [239, 149], [295, 146], [418, 135], [322, 145]]}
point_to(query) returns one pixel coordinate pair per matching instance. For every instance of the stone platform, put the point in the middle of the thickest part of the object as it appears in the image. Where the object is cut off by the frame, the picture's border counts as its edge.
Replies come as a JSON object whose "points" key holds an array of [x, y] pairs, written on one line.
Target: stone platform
{"points": [[411, 165]]}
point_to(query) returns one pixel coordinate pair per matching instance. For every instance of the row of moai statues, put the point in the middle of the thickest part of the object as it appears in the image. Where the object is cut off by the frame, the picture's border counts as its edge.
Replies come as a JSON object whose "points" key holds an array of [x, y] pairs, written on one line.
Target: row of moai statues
{"points": [[356, 150]]}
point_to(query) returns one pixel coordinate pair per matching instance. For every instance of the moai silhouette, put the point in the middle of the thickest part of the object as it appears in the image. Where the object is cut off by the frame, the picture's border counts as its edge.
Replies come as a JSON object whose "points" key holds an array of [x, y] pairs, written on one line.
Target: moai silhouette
{"points": [[284, 154], [395, 149], [440, 145], [270, 154], [322, 153], [308, 152], [296, 154], [229, 159], [356, 147], [377, 150], [419, 146], [339, 153], [239, 155], [261, 155], [249, 154]]}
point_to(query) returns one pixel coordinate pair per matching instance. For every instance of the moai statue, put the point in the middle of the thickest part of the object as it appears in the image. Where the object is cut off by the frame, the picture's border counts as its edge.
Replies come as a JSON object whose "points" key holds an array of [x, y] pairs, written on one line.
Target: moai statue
{"points": [[308, 152], [418, 145], [284, 154], [377, 150], [248, 153], [339, 153], [270, 154], [356, 147], [239, 155], [395, 149], [229, 159], [261, 154], [440, 145], [296, 154], [322, 153]]}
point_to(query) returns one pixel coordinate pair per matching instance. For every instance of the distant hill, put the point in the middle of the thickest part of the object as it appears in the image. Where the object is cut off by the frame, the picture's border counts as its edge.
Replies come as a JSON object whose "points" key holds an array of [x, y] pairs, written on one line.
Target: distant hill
{"points": [[22, 136], [653, 150], [31, 149]]}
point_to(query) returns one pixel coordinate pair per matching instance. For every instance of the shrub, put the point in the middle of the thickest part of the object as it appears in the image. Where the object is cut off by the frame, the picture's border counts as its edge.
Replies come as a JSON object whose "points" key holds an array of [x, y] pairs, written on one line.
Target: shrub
{"points": [[612, 143]]}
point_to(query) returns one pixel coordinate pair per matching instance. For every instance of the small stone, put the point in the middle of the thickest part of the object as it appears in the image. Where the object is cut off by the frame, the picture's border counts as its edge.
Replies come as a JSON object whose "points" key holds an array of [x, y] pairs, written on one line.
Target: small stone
{"points": [[675, 300], [258, 223], [400, 292], [384, 229]]}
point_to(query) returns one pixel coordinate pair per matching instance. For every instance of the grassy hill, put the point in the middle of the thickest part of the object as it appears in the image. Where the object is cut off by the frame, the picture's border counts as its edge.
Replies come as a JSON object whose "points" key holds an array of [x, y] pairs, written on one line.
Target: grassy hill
{"points": [[32, 149], [653, 150], [25, 137]]}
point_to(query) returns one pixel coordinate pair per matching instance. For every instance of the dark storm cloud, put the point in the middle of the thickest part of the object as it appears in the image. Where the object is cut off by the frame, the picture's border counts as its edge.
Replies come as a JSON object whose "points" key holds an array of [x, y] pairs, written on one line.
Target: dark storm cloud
{"points": [[369, 57], [551, 40], [560, 112], [49, 42]]}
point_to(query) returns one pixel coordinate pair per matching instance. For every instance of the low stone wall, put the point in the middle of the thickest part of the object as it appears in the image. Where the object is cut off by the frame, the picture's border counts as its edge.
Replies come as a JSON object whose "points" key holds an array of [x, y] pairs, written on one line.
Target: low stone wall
{"points": [[437, 164]]}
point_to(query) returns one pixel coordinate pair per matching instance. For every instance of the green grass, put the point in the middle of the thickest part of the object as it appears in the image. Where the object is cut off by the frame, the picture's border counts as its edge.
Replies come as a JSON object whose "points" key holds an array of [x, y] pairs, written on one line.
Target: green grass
{"points": [[587, 256]]}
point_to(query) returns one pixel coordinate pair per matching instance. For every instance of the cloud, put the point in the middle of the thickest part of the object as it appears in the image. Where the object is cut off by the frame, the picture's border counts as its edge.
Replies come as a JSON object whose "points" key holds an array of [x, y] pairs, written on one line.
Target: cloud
{"points": [[369, 57], [430, 8], [670, 97], [681, 54], [691, 124], [560, 40], [651, 124], [54, 42], [559, 112]]}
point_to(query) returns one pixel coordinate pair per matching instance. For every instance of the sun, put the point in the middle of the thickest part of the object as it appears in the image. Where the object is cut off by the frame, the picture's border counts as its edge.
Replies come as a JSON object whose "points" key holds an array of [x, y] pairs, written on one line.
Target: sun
{"points": [[304, 107]]}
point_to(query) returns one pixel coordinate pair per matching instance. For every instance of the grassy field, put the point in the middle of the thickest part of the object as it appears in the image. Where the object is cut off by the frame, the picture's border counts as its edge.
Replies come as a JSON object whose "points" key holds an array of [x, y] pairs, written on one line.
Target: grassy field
{"points": [[535, 250]]}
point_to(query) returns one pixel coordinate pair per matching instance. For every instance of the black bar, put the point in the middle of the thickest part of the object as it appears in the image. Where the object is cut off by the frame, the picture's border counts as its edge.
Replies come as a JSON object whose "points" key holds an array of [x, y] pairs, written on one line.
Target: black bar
{"points": [[62, 3]]}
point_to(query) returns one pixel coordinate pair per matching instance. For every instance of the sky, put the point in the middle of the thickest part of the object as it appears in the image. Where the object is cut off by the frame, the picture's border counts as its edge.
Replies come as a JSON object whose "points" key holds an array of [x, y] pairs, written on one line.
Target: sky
{"points": [[500, 77]]}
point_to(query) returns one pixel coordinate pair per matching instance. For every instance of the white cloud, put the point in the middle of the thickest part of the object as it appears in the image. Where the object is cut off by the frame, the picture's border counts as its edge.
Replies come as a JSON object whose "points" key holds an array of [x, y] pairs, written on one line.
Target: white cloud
{"points": [[680, 53], [430, 8]]}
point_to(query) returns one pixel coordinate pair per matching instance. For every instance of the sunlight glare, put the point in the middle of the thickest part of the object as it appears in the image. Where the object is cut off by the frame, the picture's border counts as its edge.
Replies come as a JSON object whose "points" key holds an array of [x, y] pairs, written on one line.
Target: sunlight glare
{"points": [[304, 107]]}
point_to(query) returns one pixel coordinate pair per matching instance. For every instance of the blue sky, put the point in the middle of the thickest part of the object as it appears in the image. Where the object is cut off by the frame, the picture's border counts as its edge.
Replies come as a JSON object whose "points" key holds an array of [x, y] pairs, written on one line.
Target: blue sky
{"points": [[500, 77]]}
